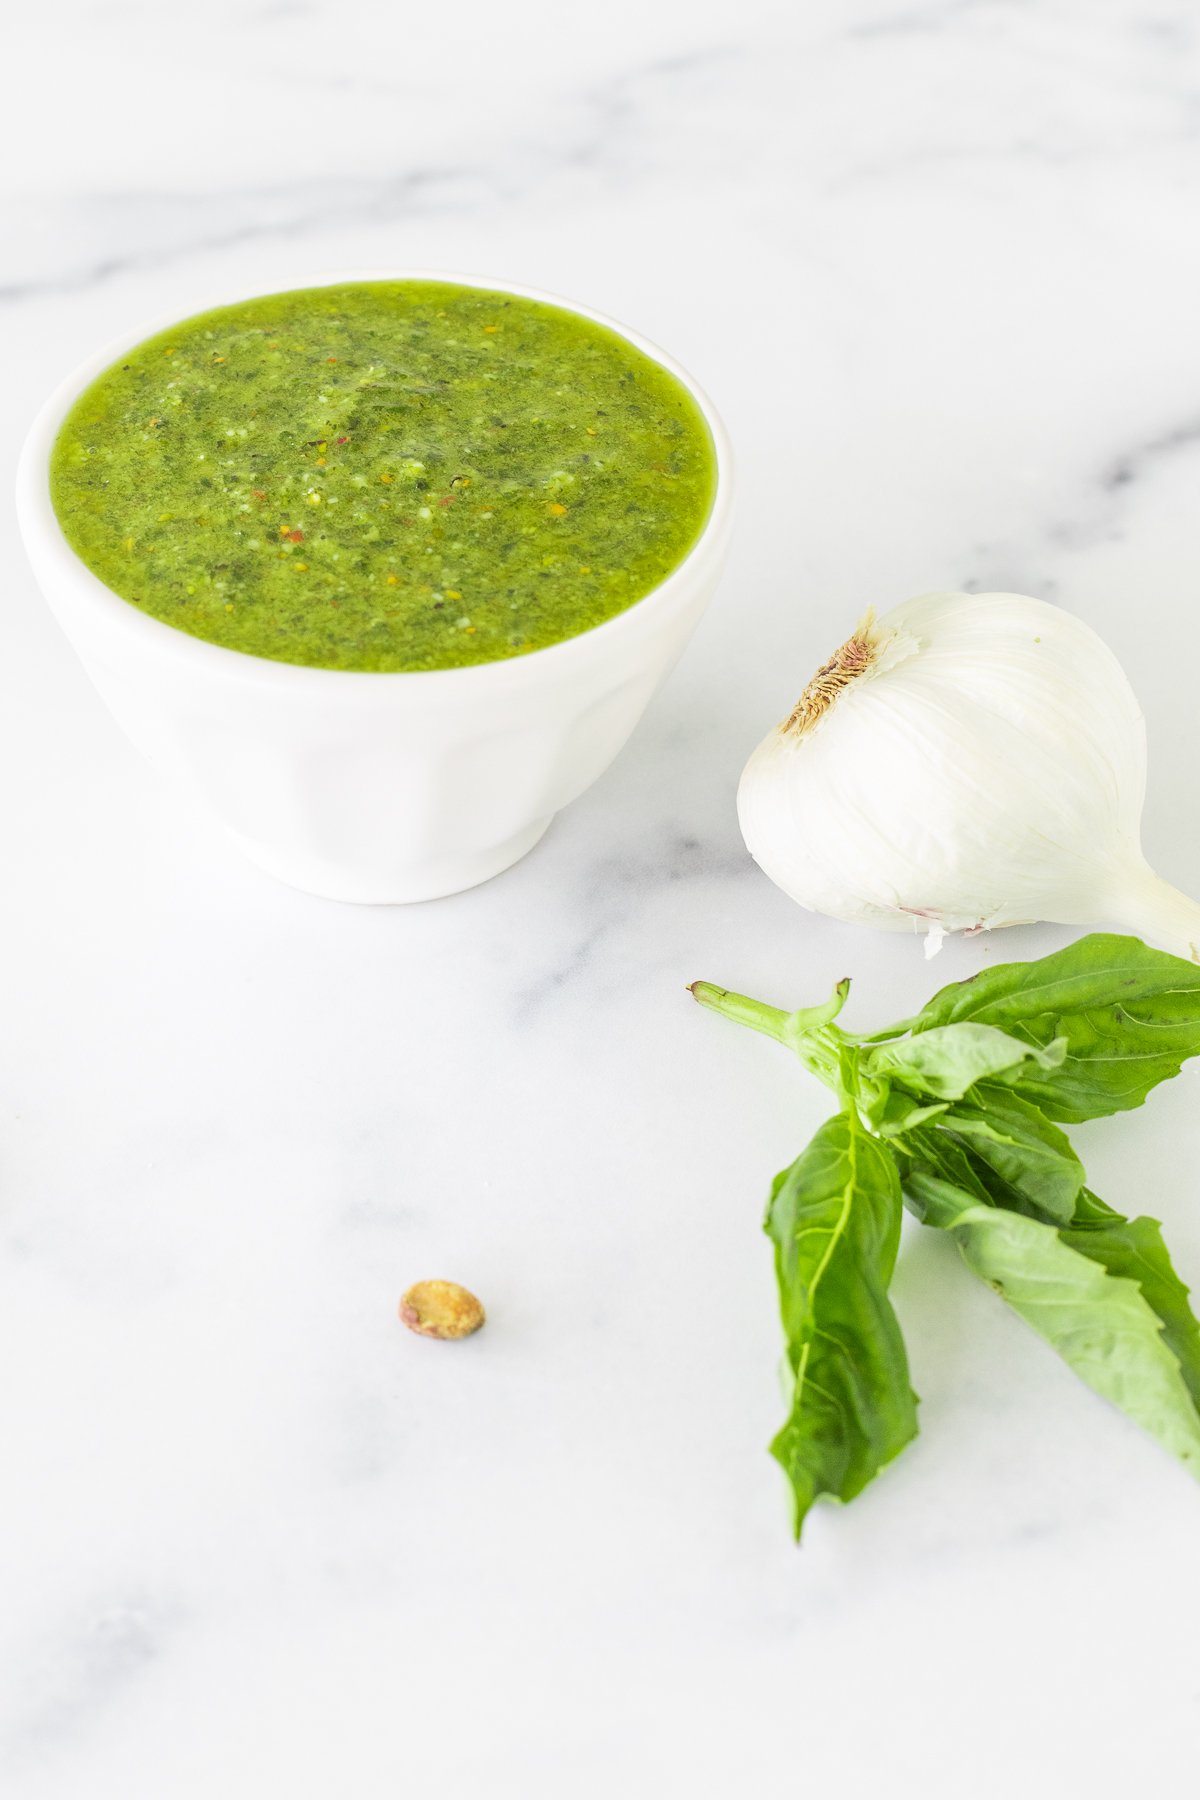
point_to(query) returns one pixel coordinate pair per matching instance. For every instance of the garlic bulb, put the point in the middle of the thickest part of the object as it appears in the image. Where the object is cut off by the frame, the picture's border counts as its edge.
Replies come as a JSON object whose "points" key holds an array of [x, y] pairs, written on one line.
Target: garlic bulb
{"points": [[970, 760]]}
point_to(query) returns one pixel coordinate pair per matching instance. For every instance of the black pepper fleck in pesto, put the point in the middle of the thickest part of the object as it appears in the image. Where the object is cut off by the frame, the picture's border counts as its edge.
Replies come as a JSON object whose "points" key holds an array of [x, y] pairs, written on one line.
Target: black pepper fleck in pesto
{"points": [[386, 475]]}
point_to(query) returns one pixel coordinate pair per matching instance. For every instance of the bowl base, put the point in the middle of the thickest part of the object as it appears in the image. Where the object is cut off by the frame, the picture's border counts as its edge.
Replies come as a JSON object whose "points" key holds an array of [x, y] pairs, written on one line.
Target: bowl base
{"points": [[431, 880]]}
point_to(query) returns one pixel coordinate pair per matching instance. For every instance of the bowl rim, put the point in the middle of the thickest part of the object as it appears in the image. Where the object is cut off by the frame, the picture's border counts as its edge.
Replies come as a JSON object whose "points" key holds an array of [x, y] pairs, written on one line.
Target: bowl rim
{"points": [[41, 528]]}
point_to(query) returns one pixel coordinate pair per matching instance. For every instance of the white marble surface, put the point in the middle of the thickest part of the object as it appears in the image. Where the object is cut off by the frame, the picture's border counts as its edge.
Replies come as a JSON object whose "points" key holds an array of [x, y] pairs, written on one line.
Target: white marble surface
{"points": [[938, 263]]}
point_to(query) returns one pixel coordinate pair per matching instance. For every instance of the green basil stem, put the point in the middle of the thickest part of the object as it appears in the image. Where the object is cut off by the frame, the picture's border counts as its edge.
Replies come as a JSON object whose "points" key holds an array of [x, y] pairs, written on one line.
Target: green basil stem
{"points": [[810, 1032], [770, 1020]]}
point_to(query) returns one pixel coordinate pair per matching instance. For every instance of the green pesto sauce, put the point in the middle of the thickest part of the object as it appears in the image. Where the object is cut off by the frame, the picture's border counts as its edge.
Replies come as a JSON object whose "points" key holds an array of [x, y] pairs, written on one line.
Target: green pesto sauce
{"points": [[386, 475]]}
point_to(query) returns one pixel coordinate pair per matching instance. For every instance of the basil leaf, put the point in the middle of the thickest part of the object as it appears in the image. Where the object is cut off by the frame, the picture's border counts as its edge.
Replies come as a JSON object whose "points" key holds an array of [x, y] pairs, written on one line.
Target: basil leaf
{"points": [[945, 1061], [1019, 1144], [938, 1154], [1130, 1016], [1134, 1248], [893, 1112], [1101, 1324], [1127, 1247], [834, 1218]]}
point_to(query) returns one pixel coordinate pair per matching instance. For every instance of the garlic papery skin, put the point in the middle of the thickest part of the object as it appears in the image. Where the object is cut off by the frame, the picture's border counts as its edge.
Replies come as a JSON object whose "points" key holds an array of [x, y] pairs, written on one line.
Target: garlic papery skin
{"points": [[967, 761]]}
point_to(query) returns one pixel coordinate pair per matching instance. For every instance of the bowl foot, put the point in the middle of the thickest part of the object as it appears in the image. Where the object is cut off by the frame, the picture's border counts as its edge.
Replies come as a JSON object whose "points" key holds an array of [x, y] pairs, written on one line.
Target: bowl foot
{"points": [[397, 886]]}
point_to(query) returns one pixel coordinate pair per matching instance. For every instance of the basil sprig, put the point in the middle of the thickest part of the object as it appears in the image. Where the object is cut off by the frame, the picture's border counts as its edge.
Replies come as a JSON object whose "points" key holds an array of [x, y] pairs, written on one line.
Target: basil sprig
{"points": [[955, 1114]]}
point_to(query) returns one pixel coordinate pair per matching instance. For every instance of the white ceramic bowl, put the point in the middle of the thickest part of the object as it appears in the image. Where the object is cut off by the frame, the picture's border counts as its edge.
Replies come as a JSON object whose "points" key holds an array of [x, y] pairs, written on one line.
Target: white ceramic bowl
{"points": [[364, 786]]}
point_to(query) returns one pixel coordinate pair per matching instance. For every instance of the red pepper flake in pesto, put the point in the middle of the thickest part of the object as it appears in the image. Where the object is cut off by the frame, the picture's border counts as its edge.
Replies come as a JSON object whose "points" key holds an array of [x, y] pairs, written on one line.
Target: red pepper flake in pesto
{"points": [[258, 493], [448, 500], [343, 440]]}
